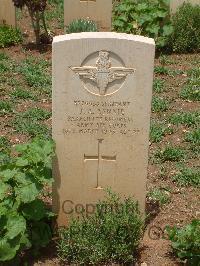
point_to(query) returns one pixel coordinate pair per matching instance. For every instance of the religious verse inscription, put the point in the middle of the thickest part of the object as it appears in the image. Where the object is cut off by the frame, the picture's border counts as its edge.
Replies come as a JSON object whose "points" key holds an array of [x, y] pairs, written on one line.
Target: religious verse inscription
{"points": [[93, 117]]}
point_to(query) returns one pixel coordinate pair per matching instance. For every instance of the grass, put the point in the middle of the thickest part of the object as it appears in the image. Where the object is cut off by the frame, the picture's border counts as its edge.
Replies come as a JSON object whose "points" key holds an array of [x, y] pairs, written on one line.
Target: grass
{"points": [[4, 143], [191, 91], [35, 114], [56, 13], [160, 195], [6, 107], [159, 104], [193, 137], [185, 118], [3, 56], [163, 70], [30, 127], [158, 131], [158, 85], [22, 94], [188, 177], [170, 153], [35, 72]]}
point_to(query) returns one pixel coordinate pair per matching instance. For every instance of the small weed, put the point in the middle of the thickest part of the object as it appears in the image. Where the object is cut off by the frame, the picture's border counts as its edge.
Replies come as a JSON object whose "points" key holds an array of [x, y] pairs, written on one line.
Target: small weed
{"points": [[190, 92], [161, 70], [194, 74], [5, 107], [158, 131], [188, 177], [4, 143], [9, 36], [165, 60], [35, 73], [3, 67], [30, 127], [35, 114], [160, 195], [159, 104], [3, 56], [188, 119], [193, 137], [158, 85], [82, 25], [19, 93], [169, 153]]}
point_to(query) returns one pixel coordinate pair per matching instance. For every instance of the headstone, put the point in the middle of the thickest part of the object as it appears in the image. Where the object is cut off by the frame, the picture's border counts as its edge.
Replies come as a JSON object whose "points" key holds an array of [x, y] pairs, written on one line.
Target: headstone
{"points": [[175, 4], [99, 11], [102, 89], [7, 13]]}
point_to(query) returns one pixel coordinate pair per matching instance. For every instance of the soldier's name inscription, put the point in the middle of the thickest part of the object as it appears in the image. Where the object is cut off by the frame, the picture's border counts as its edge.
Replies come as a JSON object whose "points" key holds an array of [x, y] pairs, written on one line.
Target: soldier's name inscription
{"points": [[100, 117]]}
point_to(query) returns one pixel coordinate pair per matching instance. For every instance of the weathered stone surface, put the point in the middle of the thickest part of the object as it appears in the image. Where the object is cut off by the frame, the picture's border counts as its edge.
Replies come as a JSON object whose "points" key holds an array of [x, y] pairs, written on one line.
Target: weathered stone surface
{"points": [[7, 13], [99, 11], [102, 88]]}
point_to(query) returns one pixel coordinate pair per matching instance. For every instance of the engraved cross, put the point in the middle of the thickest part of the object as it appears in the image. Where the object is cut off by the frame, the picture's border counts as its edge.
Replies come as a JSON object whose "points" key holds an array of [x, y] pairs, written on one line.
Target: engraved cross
{"points": [[99, 158]]}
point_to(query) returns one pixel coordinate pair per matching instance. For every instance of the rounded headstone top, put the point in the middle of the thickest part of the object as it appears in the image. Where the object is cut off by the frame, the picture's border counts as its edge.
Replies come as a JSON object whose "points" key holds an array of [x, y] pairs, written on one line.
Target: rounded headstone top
{"points": [[103, 35]]}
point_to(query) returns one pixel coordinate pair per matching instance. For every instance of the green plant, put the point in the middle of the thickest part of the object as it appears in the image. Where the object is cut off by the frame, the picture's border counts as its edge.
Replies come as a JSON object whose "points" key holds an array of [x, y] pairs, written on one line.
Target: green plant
{"points": [[3, 56], [20, 93], [4, 143], [148, 18], [193, 137], [6, 107], [81, 25], [35, 114], [190, 92], [9, 36], [24, 218], [30, 126], [165, 60], [159, 104], [158, 131], [36, 73], [110, 235], [56, 13], [186, 33], [187, 177], [158, 85], [161, 70], [186, 242], [188, 119], [160, 195], [170, 153]]}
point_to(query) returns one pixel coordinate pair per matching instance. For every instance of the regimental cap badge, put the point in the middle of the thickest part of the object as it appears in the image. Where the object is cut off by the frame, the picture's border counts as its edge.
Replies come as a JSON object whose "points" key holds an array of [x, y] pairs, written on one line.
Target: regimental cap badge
{"points": [[103, 73]]}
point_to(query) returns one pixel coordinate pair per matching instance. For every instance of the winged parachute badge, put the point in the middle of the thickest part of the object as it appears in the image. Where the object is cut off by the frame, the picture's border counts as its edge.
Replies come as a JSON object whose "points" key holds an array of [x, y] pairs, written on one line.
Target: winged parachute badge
{"points": [[103, 73]]}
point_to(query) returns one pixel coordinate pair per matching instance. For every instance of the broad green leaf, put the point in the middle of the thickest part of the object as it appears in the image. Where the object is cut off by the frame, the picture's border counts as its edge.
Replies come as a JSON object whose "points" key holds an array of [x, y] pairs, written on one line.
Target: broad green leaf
{"points": [[35, 210], [21, 178], [41, 234], [16, 225], [6, 251], [167, 30], [8, 174], [4, 188], [27, 193], [22, 162]]}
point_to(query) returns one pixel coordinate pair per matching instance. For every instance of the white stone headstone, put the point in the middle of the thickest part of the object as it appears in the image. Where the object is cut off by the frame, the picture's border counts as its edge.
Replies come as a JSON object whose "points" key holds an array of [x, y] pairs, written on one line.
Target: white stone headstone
{"points": [[99, 11], [102, 90], [7, 13]]}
